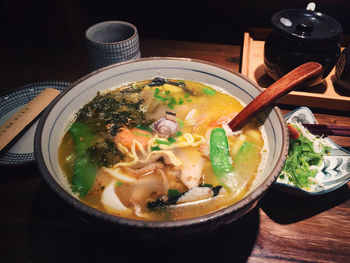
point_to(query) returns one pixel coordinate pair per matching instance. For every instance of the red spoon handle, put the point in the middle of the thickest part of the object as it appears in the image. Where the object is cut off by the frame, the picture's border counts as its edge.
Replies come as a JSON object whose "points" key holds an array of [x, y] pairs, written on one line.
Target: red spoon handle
{"points": [[282, 86]]}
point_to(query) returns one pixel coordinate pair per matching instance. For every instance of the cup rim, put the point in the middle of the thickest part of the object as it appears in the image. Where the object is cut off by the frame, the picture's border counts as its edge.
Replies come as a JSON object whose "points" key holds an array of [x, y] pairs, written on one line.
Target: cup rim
{"points": [[93, 27]]}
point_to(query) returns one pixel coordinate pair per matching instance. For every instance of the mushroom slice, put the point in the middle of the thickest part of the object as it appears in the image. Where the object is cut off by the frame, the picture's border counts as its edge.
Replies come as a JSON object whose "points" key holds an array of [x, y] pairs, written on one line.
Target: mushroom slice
{"points": [[111, 201], [149, 187], [196, 194], [149, 168]]}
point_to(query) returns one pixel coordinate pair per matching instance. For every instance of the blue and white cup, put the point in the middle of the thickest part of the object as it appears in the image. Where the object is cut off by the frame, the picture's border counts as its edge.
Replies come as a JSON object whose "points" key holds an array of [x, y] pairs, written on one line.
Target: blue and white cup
{"points": [[111, 42]]}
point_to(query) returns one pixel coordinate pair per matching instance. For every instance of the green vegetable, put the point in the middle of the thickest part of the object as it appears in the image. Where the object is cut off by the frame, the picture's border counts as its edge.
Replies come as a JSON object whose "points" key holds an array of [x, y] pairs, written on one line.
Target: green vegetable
{"points": [[164, 96], [143, 127], [301, 156], [220, 157], [162, 142], [155, 148], [172, 102], [209, 91], [171, 140], [180, 122], [84, 171], [142, 134], [82, 136], [173, 192], [83, 176]]}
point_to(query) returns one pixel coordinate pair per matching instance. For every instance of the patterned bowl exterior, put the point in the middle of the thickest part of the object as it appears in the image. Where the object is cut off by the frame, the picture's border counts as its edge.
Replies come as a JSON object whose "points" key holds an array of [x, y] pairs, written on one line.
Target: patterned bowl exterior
{"points": [[54, 121], [102, 54], [22, 151]]}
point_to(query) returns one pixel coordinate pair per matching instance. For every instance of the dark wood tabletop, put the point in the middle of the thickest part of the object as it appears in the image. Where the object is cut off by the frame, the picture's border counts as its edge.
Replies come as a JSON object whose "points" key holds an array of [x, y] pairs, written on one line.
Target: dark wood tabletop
{"points": [[38, 226]]}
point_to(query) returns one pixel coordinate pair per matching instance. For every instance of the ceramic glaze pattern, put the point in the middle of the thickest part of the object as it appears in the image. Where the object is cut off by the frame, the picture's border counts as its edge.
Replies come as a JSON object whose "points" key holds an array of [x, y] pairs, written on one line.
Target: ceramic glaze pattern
{"points": [[335, 168], [11, 103]]}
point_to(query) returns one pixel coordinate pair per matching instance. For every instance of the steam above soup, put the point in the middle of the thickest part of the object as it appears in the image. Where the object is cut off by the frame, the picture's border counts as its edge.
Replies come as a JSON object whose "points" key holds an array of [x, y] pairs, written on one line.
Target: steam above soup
{"points": [[160, 149]]}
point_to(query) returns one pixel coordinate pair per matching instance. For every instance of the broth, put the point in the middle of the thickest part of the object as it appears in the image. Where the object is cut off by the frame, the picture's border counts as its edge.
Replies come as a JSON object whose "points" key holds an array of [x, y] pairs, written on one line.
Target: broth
{"points": [[149, 150]]}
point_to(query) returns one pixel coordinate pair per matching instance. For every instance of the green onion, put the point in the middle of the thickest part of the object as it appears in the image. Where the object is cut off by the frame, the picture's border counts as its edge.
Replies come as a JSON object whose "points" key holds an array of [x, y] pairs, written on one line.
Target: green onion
{"points": [[162, 142], [180, 122], [171, 140], [181, 101], [172, 102], [118, 184], [209, 91], [173, 192], [145, 128], [186, 95], [156, 92], [161, 99], [189, 100], [179, 133], [155, 148], [143, 135]]}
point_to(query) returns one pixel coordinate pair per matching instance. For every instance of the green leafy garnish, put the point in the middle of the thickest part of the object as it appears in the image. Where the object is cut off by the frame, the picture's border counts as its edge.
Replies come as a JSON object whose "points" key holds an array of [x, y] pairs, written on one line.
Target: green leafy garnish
{"points": [[301, 156]]}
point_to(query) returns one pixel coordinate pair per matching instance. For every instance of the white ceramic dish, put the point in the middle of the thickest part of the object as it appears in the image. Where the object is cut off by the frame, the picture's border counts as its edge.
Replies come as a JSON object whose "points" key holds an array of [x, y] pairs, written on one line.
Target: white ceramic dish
{"points": [[22, 151], [54, 121]]}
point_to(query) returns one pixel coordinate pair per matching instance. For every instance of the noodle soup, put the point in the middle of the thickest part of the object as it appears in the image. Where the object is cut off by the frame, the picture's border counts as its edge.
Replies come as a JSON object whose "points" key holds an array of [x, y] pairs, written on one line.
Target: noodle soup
{"points": [[160, 149]]}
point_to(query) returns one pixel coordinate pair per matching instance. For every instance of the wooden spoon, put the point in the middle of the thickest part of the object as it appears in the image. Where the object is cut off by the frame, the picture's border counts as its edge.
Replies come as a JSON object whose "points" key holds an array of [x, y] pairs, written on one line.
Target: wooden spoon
{"points": [[307, 72]]}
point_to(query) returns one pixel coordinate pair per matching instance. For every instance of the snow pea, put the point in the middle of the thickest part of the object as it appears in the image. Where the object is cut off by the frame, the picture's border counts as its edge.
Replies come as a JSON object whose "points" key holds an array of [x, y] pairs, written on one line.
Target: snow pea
{"points": [[84, 171], [220, 157]]}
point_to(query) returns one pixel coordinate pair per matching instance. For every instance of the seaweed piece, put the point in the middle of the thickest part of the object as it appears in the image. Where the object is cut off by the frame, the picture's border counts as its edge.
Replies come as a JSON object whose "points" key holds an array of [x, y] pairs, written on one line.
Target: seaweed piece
{"points": [[105, 153], [116, 109], [157, 82], [215, 189], [161, 204]]}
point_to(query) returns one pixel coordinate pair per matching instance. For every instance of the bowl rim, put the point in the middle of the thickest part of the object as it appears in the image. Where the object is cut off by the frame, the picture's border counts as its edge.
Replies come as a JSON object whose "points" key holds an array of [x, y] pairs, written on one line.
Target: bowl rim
{"points": [[97, 214]]}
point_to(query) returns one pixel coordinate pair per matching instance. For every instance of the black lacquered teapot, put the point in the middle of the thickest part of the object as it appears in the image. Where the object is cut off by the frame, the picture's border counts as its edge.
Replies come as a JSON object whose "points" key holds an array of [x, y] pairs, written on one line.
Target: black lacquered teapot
{"points": [[300, 36]]}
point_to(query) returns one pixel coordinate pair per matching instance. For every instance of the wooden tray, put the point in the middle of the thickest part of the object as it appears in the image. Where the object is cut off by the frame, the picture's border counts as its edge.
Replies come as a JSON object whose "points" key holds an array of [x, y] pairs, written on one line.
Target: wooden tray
{"points": [[325, 95]]}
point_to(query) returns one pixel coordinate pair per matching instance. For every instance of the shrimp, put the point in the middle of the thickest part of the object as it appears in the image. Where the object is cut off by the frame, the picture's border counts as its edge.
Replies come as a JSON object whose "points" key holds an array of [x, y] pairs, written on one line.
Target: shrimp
{"points": [[223, 120], [126, 137]]}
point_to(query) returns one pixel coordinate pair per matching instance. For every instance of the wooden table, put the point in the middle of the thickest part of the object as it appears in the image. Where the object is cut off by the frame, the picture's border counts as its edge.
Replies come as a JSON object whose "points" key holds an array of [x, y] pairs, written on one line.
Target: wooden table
{"points": [[37, 226]]}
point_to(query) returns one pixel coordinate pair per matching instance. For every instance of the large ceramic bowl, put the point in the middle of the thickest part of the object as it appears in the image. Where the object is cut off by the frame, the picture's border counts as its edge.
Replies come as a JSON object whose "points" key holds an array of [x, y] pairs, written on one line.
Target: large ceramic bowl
{"points": [[54, 121]]}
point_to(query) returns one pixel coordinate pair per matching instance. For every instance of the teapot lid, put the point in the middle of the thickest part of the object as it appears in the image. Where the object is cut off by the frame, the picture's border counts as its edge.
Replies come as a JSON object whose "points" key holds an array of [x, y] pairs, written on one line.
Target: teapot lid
{"points": [[306, 26]]}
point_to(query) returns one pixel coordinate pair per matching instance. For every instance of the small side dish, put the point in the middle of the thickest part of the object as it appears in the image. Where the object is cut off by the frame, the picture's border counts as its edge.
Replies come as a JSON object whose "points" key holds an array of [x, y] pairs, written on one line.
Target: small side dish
{"points": [[304, 159], [315, 164]]}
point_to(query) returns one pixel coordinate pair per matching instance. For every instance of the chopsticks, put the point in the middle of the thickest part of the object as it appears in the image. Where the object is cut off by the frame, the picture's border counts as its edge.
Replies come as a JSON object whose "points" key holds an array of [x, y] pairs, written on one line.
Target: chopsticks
{"points": [[324, 129]]}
